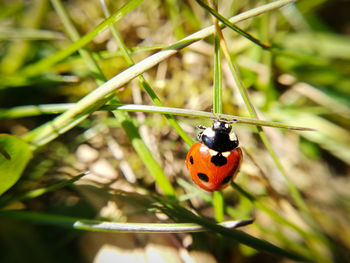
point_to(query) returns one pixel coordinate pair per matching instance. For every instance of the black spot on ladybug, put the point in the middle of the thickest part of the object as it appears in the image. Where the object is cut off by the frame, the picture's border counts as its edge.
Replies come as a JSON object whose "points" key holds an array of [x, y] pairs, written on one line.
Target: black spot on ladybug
{"points": [[226, 179], [203, 177], [191, 159], [219, 160]]}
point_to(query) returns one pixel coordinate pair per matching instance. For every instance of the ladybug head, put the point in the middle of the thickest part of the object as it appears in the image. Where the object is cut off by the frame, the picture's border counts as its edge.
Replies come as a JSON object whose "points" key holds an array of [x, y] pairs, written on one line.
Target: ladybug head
{"points": [[219, 137], [221, 126]]}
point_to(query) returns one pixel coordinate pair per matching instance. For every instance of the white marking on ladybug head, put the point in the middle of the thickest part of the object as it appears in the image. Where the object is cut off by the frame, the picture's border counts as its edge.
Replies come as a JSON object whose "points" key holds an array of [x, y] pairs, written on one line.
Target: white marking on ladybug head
{"points": [[233, 137], [222, 126], [209, 132], [216, 125], [212, 152], [226, 154], [203, 148]]}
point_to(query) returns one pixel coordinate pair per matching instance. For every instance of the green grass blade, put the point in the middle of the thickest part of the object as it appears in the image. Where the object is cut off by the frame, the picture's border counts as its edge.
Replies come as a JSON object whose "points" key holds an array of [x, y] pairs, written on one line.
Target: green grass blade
{"points": [[29, 34], [235, 28], [218, 198], [46, 63], [201, 114], [15, 154], [36, 110], [170, 209], [174, 10], [256, 202], [75, 37], [179, 213], [309, 238], [112, 227], [217, 98], [144, 153], [219, 206], [40, 191]]}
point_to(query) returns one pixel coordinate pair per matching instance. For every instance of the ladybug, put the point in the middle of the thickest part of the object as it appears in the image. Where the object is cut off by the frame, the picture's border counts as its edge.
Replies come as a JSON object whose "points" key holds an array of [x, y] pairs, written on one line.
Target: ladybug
{"points": [[215, 160]]}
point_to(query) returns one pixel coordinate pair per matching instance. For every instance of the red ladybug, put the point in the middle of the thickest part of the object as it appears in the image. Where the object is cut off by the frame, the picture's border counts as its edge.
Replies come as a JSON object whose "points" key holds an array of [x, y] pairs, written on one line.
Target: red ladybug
{"points": [[215, 160]]}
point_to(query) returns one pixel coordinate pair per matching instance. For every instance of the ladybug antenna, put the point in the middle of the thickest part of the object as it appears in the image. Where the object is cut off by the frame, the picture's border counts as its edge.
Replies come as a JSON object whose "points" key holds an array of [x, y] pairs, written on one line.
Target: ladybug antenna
{"points": [[233, 121], [215, 117], [223, 120], [202, 127]]}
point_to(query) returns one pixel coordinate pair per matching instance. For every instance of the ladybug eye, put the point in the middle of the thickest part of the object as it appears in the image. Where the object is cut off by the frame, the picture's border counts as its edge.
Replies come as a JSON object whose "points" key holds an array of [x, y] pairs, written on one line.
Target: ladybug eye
{"points": [[203, 177], [226, 179]]}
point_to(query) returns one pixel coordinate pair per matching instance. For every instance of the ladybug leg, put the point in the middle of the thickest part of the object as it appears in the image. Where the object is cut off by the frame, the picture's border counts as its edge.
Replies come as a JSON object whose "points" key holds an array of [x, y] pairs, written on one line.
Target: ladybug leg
{"points": [[199, 136]]}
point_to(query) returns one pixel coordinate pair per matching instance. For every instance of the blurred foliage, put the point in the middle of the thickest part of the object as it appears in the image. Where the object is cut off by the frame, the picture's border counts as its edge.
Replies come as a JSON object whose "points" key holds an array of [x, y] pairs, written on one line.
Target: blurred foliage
{"points": [[305, 83]]}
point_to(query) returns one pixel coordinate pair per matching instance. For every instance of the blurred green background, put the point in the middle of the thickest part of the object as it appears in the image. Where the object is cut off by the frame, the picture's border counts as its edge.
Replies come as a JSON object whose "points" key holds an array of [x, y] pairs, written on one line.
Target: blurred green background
{"points": [[306, 84]]}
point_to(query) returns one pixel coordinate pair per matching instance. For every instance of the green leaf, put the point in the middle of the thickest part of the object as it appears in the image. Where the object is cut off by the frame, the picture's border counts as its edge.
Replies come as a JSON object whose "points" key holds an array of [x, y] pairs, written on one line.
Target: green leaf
{"points": [[14, 158]]}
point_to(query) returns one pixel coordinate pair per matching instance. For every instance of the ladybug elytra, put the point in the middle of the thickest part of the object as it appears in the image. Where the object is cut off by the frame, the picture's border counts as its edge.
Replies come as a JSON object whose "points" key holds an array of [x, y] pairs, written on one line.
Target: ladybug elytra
{"points": [[215, 160]]}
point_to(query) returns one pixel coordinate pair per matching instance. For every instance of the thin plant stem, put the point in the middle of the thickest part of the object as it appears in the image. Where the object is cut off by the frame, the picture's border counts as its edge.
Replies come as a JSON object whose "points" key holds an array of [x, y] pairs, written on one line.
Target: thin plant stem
{"points": [[218, 198], [36, 110], [40, 191], [113, 227], [229, 24]]}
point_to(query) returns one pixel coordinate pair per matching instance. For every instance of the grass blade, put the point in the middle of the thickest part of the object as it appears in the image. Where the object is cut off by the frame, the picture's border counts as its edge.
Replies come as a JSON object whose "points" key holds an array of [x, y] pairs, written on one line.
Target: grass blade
{"points": [[112, 227], [235, 28], [179, 213], [46, 63], [35, 110], [40, 191], [218, 198]]}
